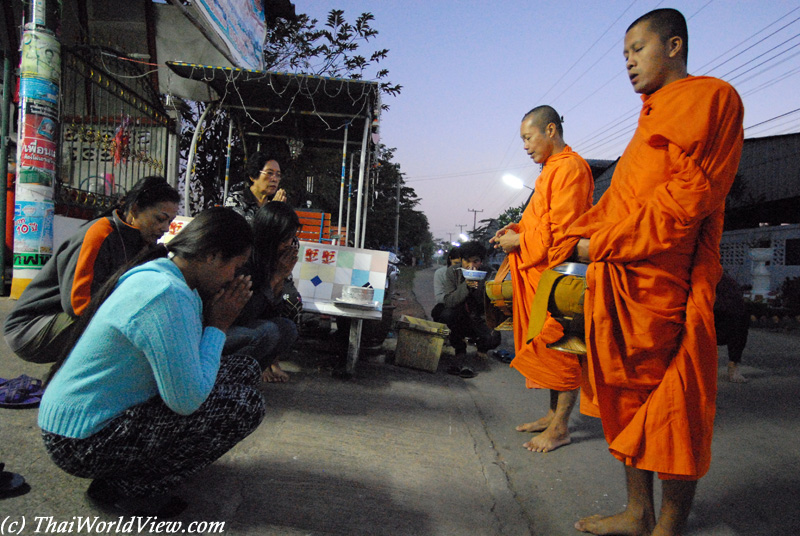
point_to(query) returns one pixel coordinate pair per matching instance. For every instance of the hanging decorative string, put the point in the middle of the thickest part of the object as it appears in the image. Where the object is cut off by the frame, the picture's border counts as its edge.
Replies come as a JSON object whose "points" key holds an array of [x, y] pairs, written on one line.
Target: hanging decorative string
{"points": [[360, 93]]}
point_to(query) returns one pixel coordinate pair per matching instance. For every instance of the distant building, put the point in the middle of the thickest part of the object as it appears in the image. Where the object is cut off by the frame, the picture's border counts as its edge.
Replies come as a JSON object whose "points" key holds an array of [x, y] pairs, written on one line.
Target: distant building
{"points": [[767, 185], [602, 180], [598, 168]]}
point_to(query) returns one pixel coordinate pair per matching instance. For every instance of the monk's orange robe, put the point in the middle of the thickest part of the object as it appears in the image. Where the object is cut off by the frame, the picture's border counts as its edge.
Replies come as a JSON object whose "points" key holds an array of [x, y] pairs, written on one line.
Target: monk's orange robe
{"points": [[563, 191], [654, 246]]}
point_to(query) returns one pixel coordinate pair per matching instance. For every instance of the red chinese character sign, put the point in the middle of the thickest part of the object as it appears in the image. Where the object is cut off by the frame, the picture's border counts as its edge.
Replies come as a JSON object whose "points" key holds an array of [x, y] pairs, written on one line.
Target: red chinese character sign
{"points": [[174, 228], [323, 271]]}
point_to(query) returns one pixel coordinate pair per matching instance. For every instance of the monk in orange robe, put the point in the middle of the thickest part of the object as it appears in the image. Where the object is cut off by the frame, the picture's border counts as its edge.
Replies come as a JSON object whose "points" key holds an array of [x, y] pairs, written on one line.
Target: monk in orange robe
{"points": [[563, 191], [653, 243]]}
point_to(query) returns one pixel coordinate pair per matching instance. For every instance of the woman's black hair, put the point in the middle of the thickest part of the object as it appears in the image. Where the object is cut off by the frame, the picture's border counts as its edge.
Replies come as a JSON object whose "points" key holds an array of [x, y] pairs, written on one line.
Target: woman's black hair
{"points": [[147, 192], [255, 163], [274, 223], [215, 230]]}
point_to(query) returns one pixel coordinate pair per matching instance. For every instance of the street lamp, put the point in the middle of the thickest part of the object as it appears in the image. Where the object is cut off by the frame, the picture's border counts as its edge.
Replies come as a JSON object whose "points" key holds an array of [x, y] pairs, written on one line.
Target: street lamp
{"points": [[463, 237], [515, 182]]}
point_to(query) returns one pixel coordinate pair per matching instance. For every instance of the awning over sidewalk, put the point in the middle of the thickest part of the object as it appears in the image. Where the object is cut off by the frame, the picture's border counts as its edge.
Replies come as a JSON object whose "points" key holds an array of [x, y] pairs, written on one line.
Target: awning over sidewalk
{"points": [[313, 109]]}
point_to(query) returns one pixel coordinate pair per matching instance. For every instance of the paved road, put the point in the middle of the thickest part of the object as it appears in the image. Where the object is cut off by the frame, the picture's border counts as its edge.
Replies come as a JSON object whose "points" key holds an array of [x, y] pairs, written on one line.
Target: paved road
{"points": [[397, 451]]}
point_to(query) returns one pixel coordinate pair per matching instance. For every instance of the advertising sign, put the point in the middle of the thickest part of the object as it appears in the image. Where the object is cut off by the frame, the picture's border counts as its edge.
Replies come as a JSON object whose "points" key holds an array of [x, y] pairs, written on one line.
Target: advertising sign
{"points": [[41, 56], [33, 233], [38, 151]]}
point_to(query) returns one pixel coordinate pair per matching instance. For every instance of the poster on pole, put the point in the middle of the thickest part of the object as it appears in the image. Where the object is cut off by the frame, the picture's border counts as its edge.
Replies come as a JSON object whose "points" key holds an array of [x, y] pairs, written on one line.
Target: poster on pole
{"points": [[38, 150], [41, 56], [38, 89], [33, 233]]}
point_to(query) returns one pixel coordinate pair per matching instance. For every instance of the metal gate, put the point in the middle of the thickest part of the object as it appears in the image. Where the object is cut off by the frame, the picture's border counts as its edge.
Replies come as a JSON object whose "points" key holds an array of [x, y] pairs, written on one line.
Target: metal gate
{"points": [[113, 130]]}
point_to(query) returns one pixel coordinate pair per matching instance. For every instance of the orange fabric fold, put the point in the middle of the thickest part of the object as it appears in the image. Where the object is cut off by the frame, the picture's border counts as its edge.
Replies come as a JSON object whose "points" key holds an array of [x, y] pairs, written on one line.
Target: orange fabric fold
{"points": [[654, 247], [563, 191]]}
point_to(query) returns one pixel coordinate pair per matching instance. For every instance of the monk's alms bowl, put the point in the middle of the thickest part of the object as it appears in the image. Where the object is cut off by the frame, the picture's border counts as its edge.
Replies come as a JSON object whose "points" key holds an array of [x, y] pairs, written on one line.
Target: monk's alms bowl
{"points": [[566, 307]]}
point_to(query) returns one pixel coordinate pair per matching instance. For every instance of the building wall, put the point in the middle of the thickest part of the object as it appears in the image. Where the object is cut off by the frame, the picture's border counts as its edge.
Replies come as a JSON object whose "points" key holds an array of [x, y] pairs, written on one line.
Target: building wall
{"points": [[785, 242], [768, 171], [768, 176]]}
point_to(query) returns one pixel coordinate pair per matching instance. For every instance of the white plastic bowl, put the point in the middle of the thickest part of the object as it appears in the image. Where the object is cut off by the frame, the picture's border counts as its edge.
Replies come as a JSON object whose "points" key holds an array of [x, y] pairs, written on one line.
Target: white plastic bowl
{"points": [[473, 275]]}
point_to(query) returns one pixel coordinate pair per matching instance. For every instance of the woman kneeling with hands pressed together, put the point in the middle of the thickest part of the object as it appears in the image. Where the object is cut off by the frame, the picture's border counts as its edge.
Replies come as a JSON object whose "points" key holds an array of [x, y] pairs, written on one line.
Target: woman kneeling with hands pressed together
{"points": [[145, 397], [267, 322]]}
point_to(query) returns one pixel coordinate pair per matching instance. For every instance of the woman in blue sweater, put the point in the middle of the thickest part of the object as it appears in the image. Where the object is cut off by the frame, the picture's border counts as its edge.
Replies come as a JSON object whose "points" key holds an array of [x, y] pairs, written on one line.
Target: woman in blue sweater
{"points": [[145, 398]]}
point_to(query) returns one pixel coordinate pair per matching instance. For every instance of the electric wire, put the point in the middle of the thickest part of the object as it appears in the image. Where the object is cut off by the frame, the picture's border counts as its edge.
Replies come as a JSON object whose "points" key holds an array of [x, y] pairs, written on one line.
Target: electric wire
{"points": [[770, 67], [613, 132], [771, 82], [624, 119], [700, 69], [608, 29], [773, 118], [425, 178], [725, 76], [541, 99]]}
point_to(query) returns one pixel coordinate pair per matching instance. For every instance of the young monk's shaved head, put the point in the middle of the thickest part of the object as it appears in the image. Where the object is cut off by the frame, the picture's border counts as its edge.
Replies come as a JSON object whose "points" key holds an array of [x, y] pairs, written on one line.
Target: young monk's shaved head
{"points": [[667, 23], [541, 116]]}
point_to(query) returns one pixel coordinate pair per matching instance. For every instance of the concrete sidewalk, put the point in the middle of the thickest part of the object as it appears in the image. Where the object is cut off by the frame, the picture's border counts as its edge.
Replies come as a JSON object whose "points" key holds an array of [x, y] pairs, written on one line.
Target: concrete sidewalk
{"points": [[397, 451]]}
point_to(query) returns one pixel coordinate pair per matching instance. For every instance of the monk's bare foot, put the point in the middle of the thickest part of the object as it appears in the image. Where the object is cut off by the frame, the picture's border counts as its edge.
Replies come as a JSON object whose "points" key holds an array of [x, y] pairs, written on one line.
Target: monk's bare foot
{"points": [[275, 374], [549, 440], [734, 374], [624, 524], [539, 425]]}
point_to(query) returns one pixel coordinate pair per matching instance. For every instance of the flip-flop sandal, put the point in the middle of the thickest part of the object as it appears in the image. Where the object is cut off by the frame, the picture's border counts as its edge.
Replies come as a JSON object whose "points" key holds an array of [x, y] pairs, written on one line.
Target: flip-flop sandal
{"points": [[466, 372], [21, 392], [33, 385], [10, 483], [504, 356], [454, 370]]}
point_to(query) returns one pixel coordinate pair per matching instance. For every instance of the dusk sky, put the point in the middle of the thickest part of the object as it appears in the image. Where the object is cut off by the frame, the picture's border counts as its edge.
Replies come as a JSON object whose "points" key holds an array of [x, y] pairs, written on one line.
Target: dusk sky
{"points": [[471, 69]]}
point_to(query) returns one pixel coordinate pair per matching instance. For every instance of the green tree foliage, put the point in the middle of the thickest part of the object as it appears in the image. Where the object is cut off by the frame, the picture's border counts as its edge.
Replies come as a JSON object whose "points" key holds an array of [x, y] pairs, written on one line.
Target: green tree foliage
{"points": [[382, 215], [489, 227], [300, 46], [485, 231], [335, 49], [511, 215]]}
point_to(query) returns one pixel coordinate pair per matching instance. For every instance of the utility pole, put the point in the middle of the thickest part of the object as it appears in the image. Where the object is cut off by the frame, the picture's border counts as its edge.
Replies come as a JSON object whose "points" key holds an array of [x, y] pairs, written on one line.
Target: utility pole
{"points": [[4, 143], [397, 218], [475, 218], [37, 154], [461, 227]]}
